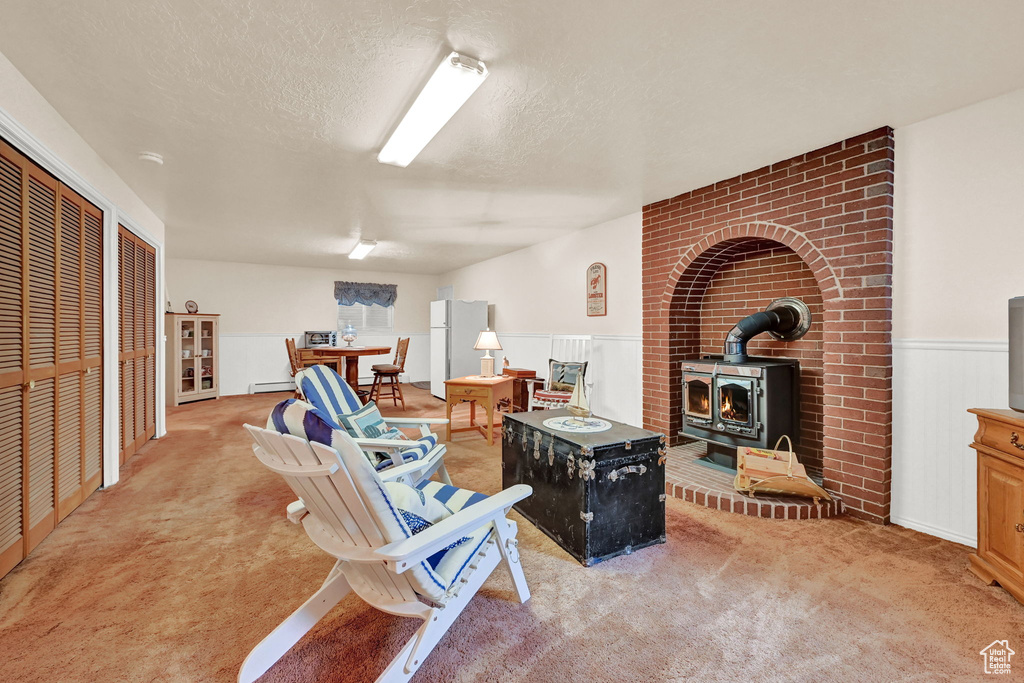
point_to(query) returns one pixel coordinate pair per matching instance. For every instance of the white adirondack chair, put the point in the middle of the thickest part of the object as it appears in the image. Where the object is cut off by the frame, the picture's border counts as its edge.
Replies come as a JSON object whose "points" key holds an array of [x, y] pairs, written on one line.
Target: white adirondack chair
{"points": [[344, 507], [325, 389]]}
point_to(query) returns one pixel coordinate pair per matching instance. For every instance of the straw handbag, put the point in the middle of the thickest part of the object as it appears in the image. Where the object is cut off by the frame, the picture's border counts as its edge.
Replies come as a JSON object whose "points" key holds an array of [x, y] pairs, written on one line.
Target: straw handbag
{"points": [[774, 472]]}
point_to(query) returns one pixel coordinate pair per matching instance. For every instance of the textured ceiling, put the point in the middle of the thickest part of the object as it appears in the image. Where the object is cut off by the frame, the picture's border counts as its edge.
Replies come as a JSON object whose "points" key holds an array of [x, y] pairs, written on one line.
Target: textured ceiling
{"points": [[270, 114]]}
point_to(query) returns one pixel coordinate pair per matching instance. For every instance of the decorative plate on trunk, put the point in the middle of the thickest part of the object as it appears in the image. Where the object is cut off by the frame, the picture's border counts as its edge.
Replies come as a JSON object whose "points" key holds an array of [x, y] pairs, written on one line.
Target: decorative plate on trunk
{"points": [[571, 424]]}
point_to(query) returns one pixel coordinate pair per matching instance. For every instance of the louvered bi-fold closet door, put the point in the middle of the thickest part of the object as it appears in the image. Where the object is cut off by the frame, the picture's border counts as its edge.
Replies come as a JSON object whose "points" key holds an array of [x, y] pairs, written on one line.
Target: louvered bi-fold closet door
{"points": [[126, 308], [41, 355], [12, 377], [79, 389], [51, 252], [137, 344]]}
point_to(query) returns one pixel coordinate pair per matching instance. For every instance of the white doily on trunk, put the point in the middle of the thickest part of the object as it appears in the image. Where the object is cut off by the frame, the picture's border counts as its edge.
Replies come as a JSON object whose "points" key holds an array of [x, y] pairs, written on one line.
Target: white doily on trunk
{"points": [[571, 424]]}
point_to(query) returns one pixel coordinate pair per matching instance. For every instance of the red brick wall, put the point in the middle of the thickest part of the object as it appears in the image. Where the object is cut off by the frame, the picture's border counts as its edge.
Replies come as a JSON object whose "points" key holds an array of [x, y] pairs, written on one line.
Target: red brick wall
{"points": [[833, 208], [748, 284]]}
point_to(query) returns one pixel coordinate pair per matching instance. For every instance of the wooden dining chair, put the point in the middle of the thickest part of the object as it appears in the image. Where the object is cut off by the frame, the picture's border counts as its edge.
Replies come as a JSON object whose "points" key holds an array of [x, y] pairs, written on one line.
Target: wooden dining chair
{"points": [[389, 373], [293, 356], [299, 359]]}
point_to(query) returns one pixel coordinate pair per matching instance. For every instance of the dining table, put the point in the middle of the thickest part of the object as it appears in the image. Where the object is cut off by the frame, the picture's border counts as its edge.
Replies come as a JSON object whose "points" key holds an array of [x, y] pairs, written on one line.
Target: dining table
{"points": [[351, 355]]}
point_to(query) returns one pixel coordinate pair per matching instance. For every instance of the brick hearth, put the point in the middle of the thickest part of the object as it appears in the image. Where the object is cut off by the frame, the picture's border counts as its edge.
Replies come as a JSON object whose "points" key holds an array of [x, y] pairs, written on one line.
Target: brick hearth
{"points": [[824, 219], [694, 483]]}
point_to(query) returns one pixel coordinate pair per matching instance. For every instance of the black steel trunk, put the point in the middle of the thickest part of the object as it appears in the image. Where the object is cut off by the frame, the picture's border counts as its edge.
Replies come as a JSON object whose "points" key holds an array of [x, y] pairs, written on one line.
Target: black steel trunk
{"points": [[597, 495]]}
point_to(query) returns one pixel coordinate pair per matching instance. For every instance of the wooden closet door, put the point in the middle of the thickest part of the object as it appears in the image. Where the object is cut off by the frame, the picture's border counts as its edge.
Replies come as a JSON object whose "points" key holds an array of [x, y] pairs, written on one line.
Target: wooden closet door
{"points": [[11, 360], [126, 297], [138, 341], [41, 352], [74, 483], [68, 462], [51, 270], [141, 391], [150, 347]]}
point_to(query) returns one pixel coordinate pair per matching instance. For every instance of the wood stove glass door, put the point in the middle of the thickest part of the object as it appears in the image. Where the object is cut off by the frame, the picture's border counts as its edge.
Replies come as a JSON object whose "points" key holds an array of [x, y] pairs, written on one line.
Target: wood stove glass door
{"points": [[698, 396], [736, 400]]}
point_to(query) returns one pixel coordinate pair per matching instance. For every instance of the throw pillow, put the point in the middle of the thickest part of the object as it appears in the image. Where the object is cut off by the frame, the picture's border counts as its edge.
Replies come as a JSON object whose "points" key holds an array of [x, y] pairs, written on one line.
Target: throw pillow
{"points": [[301, 419], [418, 510], [563, 373], [367, 423]]}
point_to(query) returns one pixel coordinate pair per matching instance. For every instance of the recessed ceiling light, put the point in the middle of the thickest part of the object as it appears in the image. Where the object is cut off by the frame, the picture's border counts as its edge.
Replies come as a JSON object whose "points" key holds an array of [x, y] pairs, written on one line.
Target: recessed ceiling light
{"points": [[362, 248], [151, 157], [453, 82]]}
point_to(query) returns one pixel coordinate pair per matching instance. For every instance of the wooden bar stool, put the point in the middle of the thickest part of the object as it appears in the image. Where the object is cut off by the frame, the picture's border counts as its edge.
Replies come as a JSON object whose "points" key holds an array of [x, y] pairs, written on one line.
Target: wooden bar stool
{"points": [[390, 372]]}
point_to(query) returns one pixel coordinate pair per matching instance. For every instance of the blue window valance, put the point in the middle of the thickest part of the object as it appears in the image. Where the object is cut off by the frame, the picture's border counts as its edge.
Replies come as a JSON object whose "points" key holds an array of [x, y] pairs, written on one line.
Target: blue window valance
{"points": [[366, 293]]}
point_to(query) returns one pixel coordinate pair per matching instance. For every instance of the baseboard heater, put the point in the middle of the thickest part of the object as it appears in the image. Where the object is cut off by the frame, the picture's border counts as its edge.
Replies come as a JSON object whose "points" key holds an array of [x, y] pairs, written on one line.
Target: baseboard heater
{"points": [[268, 387]]}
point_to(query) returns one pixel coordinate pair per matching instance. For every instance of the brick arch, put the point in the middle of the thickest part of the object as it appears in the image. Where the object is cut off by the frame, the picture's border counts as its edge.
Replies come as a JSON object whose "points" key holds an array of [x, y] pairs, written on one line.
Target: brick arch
{"points": [[686, 315], [705, 257], [833, 208]]}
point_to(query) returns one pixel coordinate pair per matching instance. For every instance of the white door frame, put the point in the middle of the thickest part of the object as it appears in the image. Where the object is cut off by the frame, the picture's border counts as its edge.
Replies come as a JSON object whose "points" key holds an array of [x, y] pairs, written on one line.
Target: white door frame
{"points": [[28, 144]]}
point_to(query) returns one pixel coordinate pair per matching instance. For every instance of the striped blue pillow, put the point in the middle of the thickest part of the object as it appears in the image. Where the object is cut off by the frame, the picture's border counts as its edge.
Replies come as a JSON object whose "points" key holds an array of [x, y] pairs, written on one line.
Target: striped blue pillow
{"points": [[368, 423], [305, 421]]}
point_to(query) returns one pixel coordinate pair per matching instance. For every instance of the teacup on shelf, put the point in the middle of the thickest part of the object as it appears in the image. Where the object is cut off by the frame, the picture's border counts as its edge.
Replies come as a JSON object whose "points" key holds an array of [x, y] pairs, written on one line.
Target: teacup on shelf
{"points": [[186, 353]]}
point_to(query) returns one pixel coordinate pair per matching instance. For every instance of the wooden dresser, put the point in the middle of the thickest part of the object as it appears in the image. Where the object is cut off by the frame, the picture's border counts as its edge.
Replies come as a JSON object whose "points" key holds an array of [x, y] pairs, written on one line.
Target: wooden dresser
{"points": [[522, 387], [1000, 446]]}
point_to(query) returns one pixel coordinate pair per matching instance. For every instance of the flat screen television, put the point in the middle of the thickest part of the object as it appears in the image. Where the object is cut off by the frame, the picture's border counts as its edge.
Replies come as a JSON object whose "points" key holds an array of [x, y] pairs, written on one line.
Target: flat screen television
{"points": [[1017, 353]]}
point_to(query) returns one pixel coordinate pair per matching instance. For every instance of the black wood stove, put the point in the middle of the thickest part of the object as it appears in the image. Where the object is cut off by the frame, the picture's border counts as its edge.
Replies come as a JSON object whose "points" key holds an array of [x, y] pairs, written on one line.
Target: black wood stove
{"points": [[733, 399]]}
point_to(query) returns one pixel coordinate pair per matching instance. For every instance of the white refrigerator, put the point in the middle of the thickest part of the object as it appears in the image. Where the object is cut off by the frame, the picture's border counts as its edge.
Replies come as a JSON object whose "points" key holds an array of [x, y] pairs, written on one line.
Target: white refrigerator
{"points": [[454, 327]]}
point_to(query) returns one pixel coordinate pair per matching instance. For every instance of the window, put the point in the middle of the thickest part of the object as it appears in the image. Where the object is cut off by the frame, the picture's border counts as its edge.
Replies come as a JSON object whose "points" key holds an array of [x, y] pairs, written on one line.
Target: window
{"points": [[372, 319]]}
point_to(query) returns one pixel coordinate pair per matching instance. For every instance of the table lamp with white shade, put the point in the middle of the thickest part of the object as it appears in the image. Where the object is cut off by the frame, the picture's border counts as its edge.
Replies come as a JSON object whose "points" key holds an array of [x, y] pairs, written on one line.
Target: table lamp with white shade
{"points": [[487, 341]]}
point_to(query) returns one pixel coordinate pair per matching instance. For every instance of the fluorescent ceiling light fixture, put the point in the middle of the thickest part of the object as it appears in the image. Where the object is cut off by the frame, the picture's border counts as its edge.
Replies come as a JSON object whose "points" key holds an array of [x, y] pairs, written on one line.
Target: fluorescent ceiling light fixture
{"points": [[362, 248], [453, 82]]}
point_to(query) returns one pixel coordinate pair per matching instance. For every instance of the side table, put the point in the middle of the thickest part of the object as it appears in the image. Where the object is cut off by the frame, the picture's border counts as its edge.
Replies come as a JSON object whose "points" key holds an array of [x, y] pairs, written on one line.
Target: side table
{"points": [[491, 392]]}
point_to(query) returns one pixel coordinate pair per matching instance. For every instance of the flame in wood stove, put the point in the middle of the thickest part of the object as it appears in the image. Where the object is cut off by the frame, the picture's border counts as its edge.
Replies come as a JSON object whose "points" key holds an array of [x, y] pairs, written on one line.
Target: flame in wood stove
{"points": [[727, 410]]}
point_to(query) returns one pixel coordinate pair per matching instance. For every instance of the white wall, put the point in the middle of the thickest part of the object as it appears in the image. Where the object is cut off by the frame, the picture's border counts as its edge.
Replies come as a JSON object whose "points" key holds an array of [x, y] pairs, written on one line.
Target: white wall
{"points": [[260, 305], [541, 290], [254, 298], [31, 110], [959, 221], [959, 237]]}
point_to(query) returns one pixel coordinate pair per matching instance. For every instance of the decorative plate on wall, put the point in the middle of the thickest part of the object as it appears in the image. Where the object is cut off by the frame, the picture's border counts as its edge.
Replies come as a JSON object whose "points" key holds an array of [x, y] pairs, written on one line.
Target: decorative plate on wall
{"points": [[191, 306]]}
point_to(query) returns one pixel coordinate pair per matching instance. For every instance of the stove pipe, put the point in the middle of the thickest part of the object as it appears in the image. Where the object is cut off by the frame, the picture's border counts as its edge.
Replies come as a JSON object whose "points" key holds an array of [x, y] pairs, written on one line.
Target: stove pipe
{"points": [[785, 319]]}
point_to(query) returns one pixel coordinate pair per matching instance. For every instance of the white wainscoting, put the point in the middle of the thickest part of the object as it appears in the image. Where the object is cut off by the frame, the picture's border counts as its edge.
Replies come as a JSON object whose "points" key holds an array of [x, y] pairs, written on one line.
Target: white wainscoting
{"points": [[934, 471], [934, 383], [253, 358], [616, 367]]}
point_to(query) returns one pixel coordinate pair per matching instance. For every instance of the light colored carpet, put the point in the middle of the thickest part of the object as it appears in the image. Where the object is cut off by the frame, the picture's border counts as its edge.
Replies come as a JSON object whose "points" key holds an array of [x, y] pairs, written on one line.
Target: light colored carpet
{"points": [[174, 574]]}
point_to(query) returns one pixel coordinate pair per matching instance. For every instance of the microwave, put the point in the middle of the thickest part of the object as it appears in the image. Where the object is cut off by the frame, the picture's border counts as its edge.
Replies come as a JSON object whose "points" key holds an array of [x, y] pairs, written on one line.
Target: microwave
{"points": [[328, 338]]}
